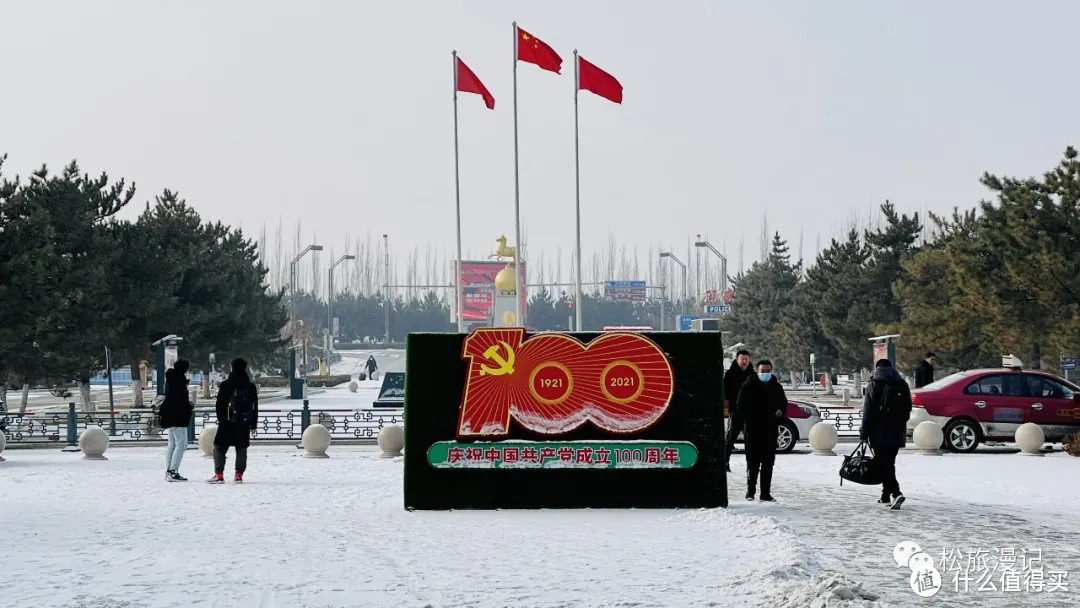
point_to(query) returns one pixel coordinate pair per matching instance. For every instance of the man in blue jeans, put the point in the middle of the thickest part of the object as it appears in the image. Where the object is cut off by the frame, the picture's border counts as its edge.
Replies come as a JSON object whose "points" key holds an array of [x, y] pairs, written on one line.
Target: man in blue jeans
{"points": [[175, 415]]}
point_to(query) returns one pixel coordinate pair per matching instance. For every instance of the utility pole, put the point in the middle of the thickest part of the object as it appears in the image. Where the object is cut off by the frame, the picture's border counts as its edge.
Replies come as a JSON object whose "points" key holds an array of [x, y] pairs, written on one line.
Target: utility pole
{"points": [[386, 295]]}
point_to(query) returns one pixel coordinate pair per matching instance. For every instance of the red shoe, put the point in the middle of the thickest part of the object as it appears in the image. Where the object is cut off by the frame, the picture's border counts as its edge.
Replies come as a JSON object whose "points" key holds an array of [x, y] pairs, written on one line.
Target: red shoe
{"points": [[216, 479], [239, 478]]}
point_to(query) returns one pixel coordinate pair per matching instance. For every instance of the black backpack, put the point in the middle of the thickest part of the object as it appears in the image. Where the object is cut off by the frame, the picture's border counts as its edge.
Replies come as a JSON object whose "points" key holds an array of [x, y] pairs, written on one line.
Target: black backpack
{"points": [[242, 407], [894, 401]]}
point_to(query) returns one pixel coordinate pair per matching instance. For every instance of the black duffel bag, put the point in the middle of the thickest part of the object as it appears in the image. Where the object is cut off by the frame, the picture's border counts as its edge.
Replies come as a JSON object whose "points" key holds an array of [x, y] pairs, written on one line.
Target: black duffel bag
{"points": [[860, 467]]}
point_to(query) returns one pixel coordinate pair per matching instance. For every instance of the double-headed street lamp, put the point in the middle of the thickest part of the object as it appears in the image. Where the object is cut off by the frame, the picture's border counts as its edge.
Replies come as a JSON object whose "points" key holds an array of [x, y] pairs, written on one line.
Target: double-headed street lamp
{"points": [[330, 306], [723, 263], [292, 288], [671, 256]]}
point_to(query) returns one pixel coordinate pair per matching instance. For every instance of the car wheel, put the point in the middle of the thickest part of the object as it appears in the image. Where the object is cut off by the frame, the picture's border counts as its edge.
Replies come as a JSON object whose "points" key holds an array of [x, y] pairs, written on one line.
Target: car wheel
{"points": [[786, 436], [962, 436]]}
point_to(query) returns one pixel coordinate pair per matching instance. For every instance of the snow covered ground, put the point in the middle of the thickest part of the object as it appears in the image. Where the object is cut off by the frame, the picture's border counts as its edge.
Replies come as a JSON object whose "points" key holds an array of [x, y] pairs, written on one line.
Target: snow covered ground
{"points": [[352, 361], [321, 533]]}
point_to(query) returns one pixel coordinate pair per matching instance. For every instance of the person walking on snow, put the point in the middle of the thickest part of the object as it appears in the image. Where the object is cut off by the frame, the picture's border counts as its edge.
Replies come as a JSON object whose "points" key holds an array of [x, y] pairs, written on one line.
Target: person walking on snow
{"points": [[735, 377], [886, 408], [924, 371], [761, 403], [237, 414], [371, 366], [175, 415]]}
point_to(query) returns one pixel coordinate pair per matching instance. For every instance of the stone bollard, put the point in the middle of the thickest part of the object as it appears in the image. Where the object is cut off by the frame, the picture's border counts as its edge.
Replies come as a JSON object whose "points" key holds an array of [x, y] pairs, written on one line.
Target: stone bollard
{"points": [[823, 438], [847, 396], [316, 440], [3, 444], [206, 441], [928, 437], [353, 386], [391, 440], [93, 442], [1030, 438]]}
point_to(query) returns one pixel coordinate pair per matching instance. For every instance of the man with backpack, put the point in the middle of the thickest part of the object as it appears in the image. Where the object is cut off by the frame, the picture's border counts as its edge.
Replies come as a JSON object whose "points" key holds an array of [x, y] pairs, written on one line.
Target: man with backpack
{"points": [[238, 415], [886, 408]]}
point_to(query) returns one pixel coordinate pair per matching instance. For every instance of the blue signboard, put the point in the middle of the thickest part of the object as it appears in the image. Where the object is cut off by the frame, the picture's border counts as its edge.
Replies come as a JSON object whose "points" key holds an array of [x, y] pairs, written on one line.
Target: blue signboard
{"points": [[625, 290], [717, 309], [686, 322], [1068, 365]]}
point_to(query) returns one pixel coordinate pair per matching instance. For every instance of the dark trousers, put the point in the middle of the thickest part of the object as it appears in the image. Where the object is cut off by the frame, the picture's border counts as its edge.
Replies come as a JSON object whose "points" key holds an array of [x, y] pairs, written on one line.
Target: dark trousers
{"points": [[885, 457], [762, 462], [219, 459], [734, 429]]}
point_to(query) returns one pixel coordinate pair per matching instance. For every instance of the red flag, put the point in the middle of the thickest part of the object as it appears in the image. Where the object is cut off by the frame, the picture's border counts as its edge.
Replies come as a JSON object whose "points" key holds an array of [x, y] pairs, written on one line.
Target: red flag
{"points": [[592, 78], [467, 82], [532, 49]]}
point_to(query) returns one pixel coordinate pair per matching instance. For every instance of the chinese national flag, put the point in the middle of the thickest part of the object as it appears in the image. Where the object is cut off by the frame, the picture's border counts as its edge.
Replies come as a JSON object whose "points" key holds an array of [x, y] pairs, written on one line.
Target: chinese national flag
{"points": [[592, 78], [467, 82], [532, 49]]}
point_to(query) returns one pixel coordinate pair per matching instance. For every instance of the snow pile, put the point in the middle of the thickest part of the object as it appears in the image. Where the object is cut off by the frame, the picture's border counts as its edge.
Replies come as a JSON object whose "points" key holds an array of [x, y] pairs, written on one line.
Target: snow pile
{"points": [[793, 577]]}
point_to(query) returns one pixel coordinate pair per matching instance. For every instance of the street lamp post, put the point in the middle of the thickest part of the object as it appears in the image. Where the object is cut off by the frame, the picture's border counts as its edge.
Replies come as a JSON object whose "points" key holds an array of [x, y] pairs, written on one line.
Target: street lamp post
{"points": [[330, 306], [723, 264], [292, 291], [671, 256], [386, 291]]}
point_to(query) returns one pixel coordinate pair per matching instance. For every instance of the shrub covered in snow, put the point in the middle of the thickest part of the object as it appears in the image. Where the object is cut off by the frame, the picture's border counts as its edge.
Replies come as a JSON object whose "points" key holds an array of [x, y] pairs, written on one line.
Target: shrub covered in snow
{"points": [[1072, 444]]}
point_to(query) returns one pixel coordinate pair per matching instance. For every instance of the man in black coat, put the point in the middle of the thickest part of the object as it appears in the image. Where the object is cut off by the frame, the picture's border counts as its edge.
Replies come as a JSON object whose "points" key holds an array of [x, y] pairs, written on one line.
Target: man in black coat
{"points": [[924, 372], [735, 377], [761, 403], [175, 414], [237, 390], [886, 431]]}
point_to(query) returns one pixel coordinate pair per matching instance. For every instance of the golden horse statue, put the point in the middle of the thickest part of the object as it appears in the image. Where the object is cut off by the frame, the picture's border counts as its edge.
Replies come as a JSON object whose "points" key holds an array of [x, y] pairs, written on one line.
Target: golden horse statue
{"points": [[502, 251]]}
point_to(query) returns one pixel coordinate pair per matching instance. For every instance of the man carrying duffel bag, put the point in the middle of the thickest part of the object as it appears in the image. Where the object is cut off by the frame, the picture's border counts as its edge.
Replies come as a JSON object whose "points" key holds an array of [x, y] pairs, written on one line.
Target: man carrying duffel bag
{"points": [[886, 408]]}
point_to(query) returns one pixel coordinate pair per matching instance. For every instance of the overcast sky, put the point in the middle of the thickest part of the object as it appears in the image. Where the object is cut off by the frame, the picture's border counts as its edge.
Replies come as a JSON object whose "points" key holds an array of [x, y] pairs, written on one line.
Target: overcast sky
{"points": [[340, 111]]}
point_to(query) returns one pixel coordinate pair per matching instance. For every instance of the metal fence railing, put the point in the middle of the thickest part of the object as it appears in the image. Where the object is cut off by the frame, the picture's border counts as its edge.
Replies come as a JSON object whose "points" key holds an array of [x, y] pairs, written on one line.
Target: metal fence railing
{"points": [[847, 420], [60, 428]]}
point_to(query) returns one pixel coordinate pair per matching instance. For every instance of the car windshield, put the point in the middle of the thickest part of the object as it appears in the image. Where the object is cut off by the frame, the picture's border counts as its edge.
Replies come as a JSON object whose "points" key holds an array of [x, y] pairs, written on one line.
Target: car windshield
{"points": [[943, 382]]}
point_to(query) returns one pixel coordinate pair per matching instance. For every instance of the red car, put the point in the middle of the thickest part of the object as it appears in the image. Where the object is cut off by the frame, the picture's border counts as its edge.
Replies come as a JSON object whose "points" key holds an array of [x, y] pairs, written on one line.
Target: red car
{"points": [[989, 404]]}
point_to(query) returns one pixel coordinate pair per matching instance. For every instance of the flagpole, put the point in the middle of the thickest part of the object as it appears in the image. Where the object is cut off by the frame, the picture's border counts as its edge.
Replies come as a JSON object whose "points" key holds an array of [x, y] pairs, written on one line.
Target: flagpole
{"points": [[577, 203], [518, 279], [458, 294]]}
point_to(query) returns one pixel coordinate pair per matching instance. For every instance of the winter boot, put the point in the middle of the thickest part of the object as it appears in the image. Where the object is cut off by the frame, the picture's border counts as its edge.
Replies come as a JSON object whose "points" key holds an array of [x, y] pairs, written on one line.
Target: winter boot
{"points": [[238, 478], [218, 478]]}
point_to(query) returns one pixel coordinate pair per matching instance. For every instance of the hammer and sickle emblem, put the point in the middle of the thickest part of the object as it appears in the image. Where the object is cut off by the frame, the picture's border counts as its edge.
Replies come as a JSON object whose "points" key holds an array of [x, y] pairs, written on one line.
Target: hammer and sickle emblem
{"points": [[503, 366]]}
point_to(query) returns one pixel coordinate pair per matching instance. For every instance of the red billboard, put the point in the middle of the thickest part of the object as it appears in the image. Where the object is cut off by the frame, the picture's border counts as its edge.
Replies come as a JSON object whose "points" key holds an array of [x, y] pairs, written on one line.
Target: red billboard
{"points": [[478, 289]]}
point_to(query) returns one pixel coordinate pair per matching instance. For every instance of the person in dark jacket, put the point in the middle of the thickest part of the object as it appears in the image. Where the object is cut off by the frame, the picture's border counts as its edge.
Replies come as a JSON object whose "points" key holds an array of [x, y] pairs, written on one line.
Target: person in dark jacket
{"points": [[175, 416], [735, 377], [886, 432], [924, 371], [761, 403], [231, 433], [371, 366]]}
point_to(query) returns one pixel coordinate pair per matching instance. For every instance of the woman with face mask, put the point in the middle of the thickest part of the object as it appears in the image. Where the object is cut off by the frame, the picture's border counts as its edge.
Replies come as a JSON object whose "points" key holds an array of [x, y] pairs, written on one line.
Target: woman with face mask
{"points": [[761, 403]]}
